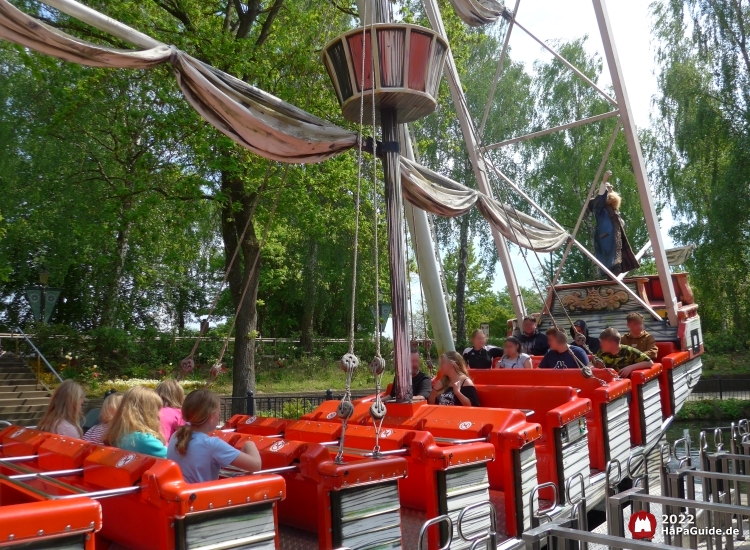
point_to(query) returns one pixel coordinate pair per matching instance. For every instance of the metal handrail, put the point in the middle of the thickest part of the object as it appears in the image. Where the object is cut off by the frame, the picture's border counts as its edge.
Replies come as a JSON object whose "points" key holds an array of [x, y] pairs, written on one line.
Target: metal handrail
{"points": [[445, 518], [39, 353], [536, 536]]}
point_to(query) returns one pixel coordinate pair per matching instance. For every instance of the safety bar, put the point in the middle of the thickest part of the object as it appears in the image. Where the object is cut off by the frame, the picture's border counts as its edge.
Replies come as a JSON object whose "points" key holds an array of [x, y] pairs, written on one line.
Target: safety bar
{"points": [[534, 538], [19, 458], [450, 441], [435, 521], [39, 353], [547, 512], [237, 472], [106, 493], [488, 536], [54, 473]]}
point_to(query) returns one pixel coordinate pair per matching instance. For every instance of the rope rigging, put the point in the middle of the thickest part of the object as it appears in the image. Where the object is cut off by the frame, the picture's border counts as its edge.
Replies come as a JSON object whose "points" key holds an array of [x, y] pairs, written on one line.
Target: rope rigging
{"points": [[350, 362]]}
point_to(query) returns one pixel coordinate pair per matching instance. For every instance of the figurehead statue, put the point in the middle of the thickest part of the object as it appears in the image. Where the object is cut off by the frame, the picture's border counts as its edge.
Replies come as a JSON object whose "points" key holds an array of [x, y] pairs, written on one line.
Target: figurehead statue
{"points": [[611, 245]]}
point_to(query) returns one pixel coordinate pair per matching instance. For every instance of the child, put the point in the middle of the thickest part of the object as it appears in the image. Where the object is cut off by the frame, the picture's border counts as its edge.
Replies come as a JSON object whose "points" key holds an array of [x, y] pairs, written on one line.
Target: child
{"points": [[106, 414], [136, 426], [65, 411], [200, 456], [170, 415]]}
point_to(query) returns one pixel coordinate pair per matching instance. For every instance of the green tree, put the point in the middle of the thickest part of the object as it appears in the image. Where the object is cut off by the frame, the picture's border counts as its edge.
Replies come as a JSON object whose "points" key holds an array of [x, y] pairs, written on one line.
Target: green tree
{"points": [[703, 153]]}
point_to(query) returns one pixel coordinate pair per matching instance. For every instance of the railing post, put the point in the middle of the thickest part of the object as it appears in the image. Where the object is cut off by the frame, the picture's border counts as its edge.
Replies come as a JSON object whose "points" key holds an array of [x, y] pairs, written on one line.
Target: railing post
{"points": [[329, 395], [250, 408]]}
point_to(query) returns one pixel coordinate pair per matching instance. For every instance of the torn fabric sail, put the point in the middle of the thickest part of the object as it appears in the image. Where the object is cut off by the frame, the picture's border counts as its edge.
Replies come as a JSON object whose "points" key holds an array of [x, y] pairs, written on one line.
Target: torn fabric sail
{"points": [[258, 121], [442, 196], [476, 13]]}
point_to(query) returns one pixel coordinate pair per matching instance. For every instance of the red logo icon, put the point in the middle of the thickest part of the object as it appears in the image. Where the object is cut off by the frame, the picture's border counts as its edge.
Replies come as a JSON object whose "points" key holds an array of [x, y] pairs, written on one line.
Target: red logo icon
{"points": [[642, 525]]}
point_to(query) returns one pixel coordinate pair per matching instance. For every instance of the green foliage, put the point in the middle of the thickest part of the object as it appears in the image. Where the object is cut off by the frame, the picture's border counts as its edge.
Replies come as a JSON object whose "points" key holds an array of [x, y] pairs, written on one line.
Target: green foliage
{"points": [[714, 409], [703, 149]]}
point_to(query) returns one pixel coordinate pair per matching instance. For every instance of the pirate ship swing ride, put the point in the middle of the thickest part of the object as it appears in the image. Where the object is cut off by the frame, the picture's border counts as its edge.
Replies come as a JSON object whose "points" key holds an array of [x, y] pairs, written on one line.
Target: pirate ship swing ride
{"points": [[359, 474]]}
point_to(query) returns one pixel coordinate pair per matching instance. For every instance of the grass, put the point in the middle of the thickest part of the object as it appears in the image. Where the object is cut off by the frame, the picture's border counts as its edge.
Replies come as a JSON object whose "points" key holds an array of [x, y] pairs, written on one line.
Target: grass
{"points": [[282, 376]]}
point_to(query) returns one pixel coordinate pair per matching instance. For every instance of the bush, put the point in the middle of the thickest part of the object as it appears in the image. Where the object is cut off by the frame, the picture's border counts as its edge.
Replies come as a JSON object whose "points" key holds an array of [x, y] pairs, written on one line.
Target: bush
{"points": [[715, 409], [724, 342]]}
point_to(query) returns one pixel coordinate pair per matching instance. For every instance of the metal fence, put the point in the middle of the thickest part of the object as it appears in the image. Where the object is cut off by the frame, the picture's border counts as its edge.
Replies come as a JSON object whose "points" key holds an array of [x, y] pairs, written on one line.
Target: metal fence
{"points": [[718, 388], [281, 405]]}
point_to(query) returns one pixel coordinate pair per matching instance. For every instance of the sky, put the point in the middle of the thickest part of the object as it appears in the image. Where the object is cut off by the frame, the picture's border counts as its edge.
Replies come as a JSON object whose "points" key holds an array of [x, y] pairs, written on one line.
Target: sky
{"points": [[554, 20]]}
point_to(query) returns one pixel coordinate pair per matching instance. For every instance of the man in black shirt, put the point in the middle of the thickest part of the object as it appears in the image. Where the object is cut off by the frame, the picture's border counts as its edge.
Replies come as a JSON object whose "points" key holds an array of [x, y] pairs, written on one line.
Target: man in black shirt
{"points": [[533, 342], [420, 383], [480, 355]]}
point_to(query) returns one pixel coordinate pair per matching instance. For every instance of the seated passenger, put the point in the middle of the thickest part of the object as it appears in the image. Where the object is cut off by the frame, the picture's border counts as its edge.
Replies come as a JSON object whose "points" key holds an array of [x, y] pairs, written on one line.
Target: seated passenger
{"points": [[638, 338], [136, 425], [533, 342], [109, 408], [454, 387], [623, 359], [65, 410], [172, 395], [513, 358], [480, 355], [200, 456], [560, 354], [580, 333], [420, 382]]}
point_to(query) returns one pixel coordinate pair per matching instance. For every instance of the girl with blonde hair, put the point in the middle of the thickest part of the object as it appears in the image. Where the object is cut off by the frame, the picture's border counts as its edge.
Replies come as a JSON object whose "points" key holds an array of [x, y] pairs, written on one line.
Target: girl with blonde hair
{"points": [[136, 425], [200, 456], [65, 410], [106, 414], [454, 387], [170, 415]]}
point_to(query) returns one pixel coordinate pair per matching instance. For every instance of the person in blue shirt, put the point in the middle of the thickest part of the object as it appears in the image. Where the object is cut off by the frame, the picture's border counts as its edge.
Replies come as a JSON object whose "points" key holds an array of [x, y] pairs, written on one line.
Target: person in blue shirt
{"points": [[200, 456], [136, 426], [560, 354]]}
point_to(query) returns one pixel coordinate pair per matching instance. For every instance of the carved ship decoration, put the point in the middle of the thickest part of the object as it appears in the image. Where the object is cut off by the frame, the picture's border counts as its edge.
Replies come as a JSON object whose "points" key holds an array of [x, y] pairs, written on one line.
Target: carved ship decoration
{"points": [[431, 477]]}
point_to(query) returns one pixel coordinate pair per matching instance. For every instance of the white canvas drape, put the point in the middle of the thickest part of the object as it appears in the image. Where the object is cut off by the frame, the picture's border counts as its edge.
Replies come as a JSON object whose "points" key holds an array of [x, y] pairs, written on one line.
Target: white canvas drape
{"points": [[478, 12], [258, 121], [442, 196]]}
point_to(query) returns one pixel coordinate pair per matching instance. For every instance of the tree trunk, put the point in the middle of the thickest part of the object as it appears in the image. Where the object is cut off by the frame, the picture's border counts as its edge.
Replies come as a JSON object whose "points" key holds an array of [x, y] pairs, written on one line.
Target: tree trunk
{"points": [[463, 266], [112, 292], [234, 216], [310, 287]]}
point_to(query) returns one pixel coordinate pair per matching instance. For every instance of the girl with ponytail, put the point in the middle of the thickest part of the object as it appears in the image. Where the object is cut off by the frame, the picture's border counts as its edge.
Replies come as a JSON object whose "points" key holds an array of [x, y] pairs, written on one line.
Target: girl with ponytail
{"points": [[200, 456]]}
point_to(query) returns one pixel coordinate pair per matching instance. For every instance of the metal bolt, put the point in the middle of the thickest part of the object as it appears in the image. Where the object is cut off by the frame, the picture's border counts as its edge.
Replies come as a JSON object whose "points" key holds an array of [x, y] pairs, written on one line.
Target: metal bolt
{"points": [[91, 524], [67, 527], [191, 508], [171, 525], [40, 532], [265, 497], [11, 537], [247, 499], [210, 505], [229, 503]]}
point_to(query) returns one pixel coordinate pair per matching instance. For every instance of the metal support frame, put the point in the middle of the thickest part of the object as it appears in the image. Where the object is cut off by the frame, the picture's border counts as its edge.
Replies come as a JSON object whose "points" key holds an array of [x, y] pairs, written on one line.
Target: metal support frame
{"points": [[535, 539], [582, 248], [477, 160], [445, 518], [39, 355], [540, 133], [568, 64], [429, 273], [636, 156]]}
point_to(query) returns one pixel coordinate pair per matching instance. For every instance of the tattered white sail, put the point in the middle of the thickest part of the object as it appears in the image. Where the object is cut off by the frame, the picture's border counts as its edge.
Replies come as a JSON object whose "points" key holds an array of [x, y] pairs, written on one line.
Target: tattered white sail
{"points": [[258, 121], [442, 196], [478, 12]]}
